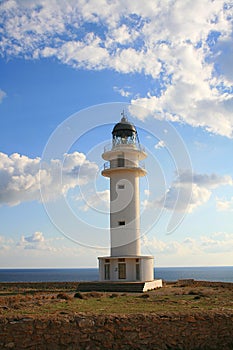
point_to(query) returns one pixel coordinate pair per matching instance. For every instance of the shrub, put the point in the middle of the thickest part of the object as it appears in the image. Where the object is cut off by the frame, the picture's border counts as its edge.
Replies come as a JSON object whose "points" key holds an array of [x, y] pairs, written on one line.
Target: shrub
{"points": [[144, 296], [192, 292], [113, 295], [78, 295], [94, 295], [63, 296]]}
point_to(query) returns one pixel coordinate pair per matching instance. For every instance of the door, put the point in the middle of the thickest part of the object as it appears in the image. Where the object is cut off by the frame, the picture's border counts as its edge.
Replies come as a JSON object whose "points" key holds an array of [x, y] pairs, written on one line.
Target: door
{"points": [[122, 271], [107, 271], [137, 272]]}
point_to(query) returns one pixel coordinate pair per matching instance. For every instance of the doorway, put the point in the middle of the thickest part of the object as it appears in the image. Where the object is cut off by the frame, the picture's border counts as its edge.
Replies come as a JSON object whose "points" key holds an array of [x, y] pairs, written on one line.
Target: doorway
{"points": [[121, 271]]}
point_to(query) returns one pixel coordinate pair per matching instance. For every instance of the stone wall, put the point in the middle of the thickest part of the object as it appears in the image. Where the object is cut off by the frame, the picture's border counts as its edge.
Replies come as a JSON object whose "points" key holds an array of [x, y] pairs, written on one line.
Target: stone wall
{"points": [[142, 331]]}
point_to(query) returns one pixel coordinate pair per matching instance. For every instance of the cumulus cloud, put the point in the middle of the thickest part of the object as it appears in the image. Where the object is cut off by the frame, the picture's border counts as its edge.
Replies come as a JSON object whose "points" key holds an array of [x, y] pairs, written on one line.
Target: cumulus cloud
{"points": [[178, 196], [35, 241], [205, 180], [97, 201], [5, 243], [37, 237], [186, 58], [21, 177], [202, 186], [160, 144], [218, 242], [122, 91], [224, 204]]}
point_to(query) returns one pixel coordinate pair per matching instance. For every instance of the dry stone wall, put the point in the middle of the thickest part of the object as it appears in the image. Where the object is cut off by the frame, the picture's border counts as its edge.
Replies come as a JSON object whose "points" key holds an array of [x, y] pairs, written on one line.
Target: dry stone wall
{"points": [[141, 331]]}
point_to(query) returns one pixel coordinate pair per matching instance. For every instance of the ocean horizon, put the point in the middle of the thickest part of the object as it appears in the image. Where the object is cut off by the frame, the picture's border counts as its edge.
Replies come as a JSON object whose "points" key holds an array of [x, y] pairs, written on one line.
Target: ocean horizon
{"points": [[211, 273]]}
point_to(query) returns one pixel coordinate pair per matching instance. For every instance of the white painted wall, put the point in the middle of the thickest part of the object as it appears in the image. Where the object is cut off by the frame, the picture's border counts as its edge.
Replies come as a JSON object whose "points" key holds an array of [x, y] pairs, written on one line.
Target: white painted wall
{"points": [[124, 203], [146, 269], [124, 206], [130, 269]]}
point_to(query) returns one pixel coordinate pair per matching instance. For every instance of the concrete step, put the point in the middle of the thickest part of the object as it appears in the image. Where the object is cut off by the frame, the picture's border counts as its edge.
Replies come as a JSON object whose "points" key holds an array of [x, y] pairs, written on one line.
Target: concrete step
{"points": [[136, 287]]}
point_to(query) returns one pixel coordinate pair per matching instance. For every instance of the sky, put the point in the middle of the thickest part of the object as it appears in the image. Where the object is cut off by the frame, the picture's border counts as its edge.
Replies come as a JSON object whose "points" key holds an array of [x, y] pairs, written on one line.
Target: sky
{"points": [[67, 71]]}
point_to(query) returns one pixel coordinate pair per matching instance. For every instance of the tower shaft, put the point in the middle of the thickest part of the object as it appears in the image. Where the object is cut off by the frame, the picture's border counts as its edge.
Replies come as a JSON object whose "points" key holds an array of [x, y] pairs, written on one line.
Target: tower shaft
{"points": [[124, 169], [124, 213]]}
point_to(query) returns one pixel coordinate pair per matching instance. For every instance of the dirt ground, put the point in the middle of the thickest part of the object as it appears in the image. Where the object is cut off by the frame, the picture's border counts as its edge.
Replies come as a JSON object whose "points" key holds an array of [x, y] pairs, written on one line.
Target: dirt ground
{"points": [[41, 299]]}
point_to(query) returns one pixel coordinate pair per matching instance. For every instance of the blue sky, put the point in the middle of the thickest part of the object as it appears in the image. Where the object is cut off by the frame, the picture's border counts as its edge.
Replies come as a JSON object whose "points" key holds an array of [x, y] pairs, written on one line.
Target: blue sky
{"points": [[67, 70]]}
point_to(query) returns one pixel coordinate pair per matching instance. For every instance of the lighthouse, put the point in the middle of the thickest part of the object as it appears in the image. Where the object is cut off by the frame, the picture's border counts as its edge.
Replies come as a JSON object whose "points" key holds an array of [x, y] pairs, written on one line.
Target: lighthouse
{"points": [[124, 169]]}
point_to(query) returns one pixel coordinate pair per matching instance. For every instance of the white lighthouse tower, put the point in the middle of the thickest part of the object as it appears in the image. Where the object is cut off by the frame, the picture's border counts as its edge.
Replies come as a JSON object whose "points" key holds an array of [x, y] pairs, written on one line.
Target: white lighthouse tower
{"points": [[124, 168]]}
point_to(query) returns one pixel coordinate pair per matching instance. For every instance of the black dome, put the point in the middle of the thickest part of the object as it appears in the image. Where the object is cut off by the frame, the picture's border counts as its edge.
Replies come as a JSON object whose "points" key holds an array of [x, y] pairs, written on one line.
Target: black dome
{"points": [[124, 128]]}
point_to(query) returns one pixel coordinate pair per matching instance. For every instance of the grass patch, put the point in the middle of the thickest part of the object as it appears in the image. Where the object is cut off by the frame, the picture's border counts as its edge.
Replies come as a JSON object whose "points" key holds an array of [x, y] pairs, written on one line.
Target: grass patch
{"points": [[167, 299]]}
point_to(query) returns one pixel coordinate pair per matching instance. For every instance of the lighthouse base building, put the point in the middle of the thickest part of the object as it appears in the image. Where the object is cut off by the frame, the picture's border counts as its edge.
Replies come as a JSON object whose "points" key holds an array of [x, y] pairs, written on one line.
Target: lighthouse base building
{"points": [[126, 268], [128, 273]]}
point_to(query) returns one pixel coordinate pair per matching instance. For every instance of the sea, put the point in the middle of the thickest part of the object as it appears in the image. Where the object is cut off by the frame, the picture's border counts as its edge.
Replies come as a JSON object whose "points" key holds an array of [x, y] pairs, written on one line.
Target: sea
{"points": [[218, 273]]}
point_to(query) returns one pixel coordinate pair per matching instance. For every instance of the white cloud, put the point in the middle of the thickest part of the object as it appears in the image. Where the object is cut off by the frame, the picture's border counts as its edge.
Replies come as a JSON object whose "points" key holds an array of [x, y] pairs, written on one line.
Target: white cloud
{"points": [[160, 144], [205, 180], [35, 241], [122, 91], [21, 177], [38, 242], [5, 243], [224, 204], [199, 196], [218, 242], [2, 95], [37, 237], [188, 56], [97, 201], [199, 186], [88, 53], [39, 250], [160, 247], [122, 35]]}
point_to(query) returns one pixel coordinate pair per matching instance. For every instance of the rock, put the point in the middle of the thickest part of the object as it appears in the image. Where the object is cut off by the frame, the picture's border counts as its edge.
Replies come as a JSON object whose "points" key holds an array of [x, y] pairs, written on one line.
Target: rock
{"points": [[191, 319], [85, 322], [10, 345]]}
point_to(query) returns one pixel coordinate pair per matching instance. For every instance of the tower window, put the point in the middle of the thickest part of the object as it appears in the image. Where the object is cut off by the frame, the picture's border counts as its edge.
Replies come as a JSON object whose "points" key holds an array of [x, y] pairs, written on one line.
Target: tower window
{"points": [[121, 161], [121, 223], [121, 187]]}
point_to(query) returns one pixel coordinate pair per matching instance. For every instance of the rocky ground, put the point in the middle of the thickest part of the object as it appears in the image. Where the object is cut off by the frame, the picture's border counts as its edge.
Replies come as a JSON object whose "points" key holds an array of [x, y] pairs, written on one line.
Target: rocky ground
{"points": [[41, 299], [186, 315]]}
